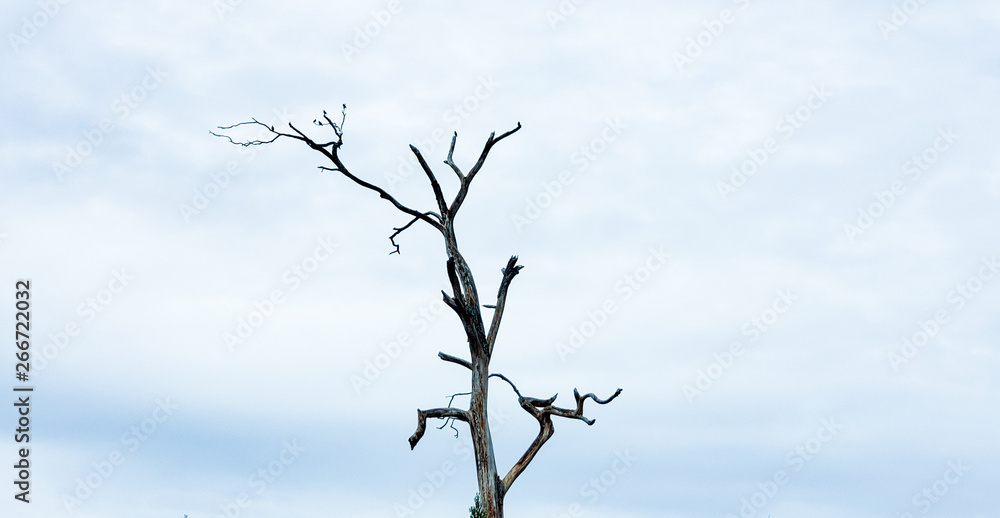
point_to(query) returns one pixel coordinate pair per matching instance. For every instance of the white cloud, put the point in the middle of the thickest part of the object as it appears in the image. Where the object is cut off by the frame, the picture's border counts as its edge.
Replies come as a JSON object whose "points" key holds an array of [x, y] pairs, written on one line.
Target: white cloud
{"points": [[654, 185]]}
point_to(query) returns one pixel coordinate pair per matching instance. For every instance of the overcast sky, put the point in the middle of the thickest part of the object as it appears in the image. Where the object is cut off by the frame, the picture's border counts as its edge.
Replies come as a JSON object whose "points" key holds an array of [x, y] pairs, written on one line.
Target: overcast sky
{"points": [[774, 225]]}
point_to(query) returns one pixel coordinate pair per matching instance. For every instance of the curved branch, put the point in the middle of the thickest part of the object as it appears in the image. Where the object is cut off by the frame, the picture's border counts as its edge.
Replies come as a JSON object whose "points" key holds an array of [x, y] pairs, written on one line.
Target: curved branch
{"points": [[330, 151], [546, 430], [577, 413], [332, 155], [334, 144], [438, 413], [509, 382], [543, 411], [529, 400]]}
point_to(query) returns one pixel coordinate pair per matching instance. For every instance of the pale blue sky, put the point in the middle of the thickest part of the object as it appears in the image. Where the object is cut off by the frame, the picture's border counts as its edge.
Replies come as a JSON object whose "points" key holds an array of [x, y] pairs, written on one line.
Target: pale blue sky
{"points": [[756, 320]]}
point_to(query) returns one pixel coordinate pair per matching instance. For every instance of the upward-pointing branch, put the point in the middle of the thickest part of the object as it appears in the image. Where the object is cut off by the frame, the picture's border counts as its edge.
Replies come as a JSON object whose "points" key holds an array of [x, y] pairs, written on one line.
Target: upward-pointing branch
{"points": [[450, 161], [438, 195], [508, 275], [463, 191]]}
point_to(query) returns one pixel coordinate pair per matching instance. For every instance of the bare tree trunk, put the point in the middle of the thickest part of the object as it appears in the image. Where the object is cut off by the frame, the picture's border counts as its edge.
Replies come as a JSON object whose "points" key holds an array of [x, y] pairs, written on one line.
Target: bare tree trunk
{"points": [[467, 300], [490, 487]]}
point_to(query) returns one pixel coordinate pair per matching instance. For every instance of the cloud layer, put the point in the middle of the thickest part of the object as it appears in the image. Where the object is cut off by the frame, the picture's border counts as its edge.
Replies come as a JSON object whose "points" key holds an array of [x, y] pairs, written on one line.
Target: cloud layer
{"points": [[774, 225]]}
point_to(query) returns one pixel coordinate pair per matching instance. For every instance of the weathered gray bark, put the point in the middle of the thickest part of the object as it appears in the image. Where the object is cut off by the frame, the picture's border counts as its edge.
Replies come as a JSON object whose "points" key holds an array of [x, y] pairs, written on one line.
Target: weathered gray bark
{"points": [[464, 300]]}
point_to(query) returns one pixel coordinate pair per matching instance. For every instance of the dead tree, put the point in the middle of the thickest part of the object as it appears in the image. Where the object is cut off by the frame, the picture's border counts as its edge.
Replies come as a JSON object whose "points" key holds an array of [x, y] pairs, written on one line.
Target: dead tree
{"points": [[464, 300]]}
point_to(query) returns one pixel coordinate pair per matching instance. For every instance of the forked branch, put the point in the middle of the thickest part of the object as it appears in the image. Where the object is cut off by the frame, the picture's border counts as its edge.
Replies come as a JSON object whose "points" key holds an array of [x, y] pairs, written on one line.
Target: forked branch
{"points": [[463, 191], [540, 409], [577, 413], [543, 410]]}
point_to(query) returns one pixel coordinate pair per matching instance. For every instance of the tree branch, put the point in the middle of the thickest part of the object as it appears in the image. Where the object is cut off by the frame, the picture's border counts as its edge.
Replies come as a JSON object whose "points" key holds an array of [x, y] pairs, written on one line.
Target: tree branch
{"points": [[399, 230], [342, 169], [509, 382], [450, 421], [451, 303], [546, 430], [466, 309], [438, 195], [577, 413], [451, 162], [467, 179], [529, 400], [543, 410], [456, 290], [330, 151], [466, 298], [490, 142], [257, 142], [438, 413], [455, 359], [508, 275]]}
